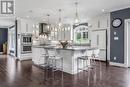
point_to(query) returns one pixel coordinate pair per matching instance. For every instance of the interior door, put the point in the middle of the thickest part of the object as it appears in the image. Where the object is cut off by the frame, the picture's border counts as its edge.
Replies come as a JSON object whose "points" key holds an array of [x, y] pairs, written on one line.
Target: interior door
{"points": [[98, 39], [128, 46], [127, 42]]}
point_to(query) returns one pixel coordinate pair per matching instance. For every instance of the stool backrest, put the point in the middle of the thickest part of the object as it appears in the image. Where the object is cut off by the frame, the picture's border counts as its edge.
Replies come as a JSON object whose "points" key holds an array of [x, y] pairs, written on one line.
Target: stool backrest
{"points": [[43, 51], [96, 52], [51, 52], [88, 53]]}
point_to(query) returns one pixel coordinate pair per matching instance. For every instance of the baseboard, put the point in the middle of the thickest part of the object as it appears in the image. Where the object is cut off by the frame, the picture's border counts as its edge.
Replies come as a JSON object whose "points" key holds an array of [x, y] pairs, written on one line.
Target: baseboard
{"points": [[1, 53], [118, 64], [23, 59]]}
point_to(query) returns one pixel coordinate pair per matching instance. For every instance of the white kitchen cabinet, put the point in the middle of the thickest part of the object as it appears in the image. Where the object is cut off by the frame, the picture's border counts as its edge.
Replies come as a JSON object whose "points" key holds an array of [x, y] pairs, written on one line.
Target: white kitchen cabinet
{"points": [[100, 22], [98, 39], [25, 26], [64, 35]]}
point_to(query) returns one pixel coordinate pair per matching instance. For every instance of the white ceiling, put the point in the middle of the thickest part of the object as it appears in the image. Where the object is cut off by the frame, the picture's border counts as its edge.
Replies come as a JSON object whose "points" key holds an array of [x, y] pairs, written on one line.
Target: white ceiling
{"points": [[37, 9]]}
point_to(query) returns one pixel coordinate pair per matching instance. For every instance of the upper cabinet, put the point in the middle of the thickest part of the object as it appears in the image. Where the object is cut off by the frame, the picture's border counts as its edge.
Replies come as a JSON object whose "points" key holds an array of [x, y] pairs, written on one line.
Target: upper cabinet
{"points": [[100, 22], [25, 26]]}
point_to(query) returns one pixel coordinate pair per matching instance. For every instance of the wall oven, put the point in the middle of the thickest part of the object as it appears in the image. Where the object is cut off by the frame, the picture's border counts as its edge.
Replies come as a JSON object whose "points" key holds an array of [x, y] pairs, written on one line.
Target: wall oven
{"points": [[26, 49], [26, 43], [26, 38]]}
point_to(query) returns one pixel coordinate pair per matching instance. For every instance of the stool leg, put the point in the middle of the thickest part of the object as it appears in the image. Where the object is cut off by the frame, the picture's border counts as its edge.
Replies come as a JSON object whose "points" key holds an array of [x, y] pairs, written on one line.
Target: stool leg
{"points": [[62, 64], [83, 65], [53, 65], [62, 71], [77, 65]]}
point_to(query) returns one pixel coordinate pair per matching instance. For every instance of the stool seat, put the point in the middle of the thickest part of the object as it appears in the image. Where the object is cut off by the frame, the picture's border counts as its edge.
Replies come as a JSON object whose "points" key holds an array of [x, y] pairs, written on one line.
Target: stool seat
{"points": [[83, 57], [84, 60], [55, 57], [55, 60]]}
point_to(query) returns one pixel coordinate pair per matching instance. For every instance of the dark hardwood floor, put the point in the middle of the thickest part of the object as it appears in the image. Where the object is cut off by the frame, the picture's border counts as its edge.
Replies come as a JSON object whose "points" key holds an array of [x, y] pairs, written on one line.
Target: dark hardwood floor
{"points": [[24, 74]]}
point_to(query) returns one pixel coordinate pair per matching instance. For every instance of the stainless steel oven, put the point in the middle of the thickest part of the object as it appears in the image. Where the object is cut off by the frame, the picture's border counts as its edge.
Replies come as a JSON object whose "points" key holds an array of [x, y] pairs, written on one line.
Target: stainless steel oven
{"points": [[26, 38], [26, 49], [26, 43]]}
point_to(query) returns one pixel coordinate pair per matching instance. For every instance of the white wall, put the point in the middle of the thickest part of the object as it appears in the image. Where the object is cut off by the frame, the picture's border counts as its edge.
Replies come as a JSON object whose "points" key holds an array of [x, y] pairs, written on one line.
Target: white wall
{"points": [[5, 22], [12, 40]]}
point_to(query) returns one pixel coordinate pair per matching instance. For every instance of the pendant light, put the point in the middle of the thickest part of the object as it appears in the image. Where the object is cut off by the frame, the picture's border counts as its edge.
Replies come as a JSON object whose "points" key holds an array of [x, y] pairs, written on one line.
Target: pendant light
{"points": [[48, 24], [60, 23], [76, 13]]}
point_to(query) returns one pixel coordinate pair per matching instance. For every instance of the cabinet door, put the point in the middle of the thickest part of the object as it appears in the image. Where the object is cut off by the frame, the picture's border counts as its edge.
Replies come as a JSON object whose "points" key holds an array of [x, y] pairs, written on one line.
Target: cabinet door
{"points": [[103, 23], [98, 39], [23, 27], [30, 27]]}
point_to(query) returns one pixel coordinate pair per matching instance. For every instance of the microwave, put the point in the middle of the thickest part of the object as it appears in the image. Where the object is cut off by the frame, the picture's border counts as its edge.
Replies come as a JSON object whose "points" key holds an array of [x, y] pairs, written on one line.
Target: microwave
{"points": [[26, 38]]}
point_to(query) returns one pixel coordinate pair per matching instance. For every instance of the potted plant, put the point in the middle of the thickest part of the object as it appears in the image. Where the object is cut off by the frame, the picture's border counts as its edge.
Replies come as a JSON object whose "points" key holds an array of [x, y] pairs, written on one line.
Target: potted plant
{"points": [[5, 48]]}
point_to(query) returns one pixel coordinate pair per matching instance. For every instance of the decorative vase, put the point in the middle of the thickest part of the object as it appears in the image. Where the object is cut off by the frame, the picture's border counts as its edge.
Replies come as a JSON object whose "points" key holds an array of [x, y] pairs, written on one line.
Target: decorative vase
{"points": [[64, 44]]}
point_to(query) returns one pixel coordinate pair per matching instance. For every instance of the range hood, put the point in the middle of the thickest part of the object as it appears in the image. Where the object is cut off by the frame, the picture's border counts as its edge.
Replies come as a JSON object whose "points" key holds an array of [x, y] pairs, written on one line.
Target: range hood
{"points": [[43, 29]]}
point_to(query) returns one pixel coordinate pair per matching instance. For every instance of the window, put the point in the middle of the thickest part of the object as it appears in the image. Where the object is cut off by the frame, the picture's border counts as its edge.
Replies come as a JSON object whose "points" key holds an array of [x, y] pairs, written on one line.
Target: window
{"points": [[85, 35], [78, 36]]}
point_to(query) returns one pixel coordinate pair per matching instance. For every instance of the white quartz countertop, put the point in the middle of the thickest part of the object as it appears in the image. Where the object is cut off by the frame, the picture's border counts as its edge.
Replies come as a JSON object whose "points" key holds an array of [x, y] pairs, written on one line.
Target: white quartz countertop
{"points": [[73, 48]]}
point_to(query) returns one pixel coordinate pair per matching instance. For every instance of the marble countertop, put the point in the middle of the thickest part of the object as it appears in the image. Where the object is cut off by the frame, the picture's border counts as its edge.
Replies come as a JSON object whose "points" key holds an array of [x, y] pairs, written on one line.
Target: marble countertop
{"points": [[72, 48]]}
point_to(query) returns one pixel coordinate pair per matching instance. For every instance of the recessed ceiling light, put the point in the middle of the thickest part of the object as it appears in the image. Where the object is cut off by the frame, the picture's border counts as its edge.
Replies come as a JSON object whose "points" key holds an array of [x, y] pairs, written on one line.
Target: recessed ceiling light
{"points": [[30, 11], [103, 10], [43, 19], [27, 16]]}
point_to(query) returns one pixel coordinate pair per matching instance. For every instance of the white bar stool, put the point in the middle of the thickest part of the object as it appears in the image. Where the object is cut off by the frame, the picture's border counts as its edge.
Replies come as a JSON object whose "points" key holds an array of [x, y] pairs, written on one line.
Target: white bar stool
{"points": [[85, 57], [43, 58], [96, 53], [54, 59]]}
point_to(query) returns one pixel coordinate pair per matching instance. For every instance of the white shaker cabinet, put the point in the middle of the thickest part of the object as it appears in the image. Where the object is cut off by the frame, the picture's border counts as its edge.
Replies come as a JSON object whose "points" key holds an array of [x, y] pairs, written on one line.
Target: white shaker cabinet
{"points": [[25, 26], [98, 39], [100, 22]]}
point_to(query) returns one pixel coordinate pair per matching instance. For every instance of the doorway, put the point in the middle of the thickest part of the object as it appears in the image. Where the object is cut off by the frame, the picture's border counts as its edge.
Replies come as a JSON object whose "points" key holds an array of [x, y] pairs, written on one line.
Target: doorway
{"points": [[3, 40], [127, 43]]}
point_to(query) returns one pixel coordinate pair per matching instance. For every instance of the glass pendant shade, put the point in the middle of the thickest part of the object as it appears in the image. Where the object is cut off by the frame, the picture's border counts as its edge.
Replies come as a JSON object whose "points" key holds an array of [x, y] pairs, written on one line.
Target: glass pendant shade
{"points": [[76, 14]]}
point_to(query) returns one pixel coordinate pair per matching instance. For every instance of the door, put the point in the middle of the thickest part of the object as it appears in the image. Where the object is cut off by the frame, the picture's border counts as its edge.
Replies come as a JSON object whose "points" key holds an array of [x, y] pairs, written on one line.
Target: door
{"points": [[127, 42], [98, 39], [3, 37]]}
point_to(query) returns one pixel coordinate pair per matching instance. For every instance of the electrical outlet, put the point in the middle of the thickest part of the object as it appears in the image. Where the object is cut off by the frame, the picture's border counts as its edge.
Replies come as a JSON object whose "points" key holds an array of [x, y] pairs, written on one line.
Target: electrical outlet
{"points": [[114, 58]]}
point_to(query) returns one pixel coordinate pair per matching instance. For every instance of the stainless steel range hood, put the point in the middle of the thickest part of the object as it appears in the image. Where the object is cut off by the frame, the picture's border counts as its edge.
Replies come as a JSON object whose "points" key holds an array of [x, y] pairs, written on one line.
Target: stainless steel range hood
{"points": [[43, 29]]}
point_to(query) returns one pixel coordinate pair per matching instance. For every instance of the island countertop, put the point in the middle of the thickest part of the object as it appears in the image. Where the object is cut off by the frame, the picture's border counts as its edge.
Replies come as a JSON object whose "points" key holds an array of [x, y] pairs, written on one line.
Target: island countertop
{"points": [[72, 48]]}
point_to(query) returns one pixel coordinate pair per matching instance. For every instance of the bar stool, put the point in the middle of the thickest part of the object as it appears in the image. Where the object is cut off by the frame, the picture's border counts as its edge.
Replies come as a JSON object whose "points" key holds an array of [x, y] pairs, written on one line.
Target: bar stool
{"points": [[43, 58], [85, 57], [96, 54], [53, 59]]}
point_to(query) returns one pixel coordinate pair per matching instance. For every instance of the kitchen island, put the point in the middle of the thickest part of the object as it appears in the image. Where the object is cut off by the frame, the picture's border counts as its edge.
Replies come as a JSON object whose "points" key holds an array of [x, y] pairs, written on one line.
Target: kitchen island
{"points": [[69, 55]]}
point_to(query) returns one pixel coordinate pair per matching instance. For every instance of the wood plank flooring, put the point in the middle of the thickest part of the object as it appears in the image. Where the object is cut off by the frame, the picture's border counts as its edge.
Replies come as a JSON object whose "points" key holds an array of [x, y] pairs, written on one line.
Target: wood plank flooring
{"points": [[24, 74]]}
